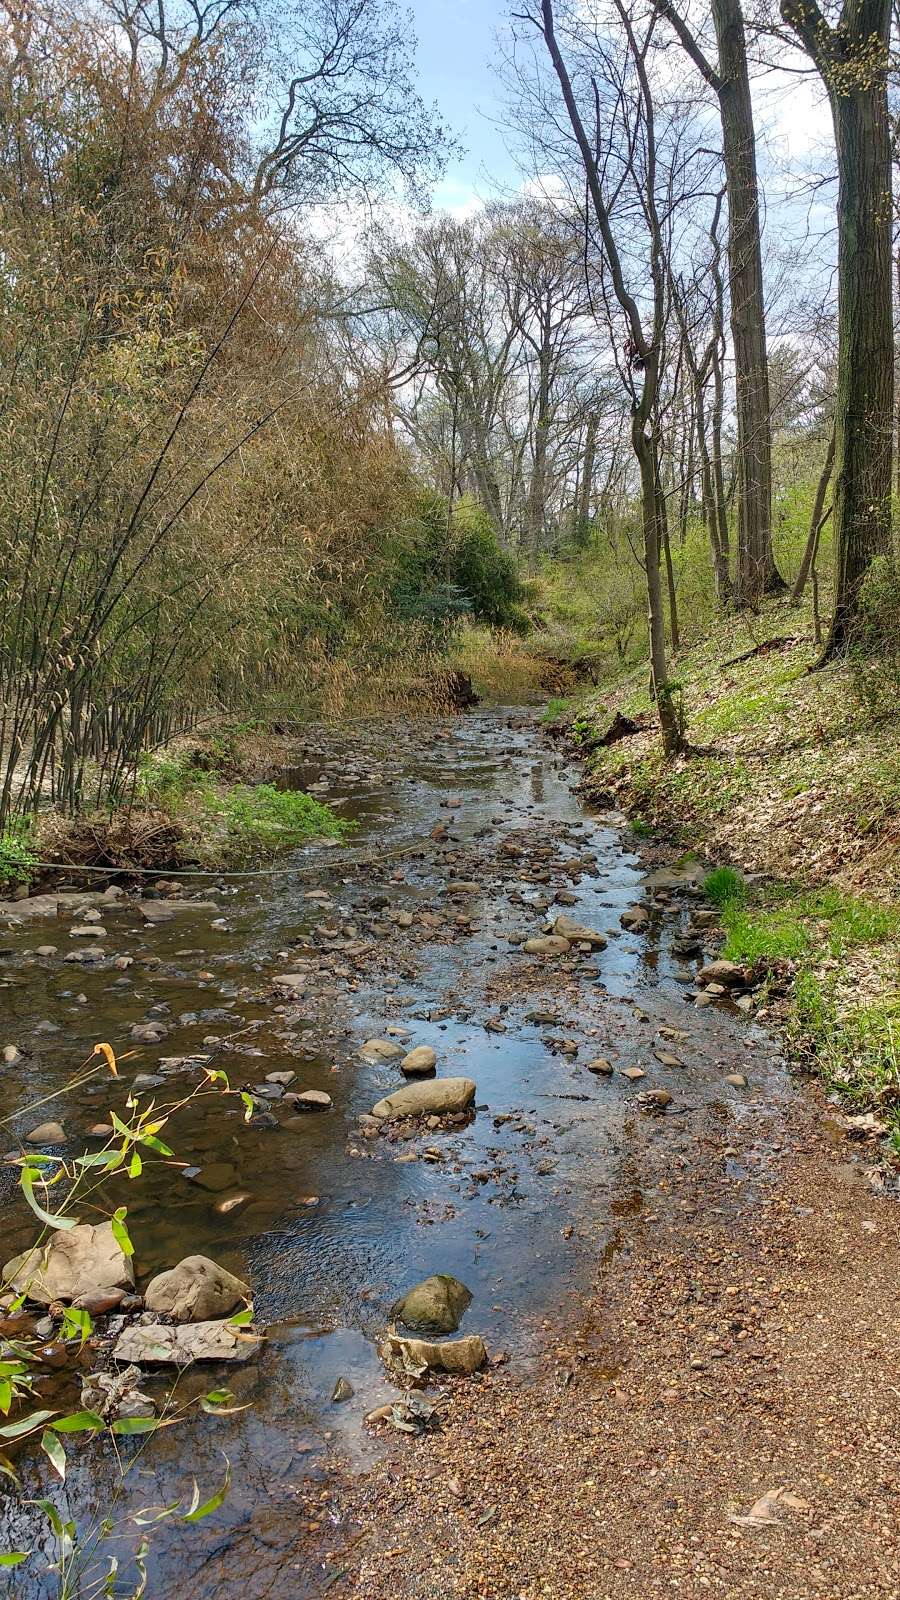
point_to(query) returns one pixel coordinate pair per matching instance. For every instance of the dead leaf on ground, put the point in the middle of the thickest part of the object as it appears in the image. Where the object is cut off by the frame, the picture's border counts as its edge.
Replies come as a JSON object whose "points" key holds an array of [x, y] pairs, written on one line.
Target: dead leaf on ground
{"points": [[762, 1514]]}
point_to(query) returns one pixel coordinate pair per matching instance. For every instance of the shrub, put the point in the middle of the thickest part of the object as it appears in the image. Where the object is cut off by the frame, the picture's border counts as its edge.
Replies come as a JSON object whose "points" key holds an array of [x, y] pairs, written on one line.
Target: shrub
{"points": [[484, 573], [17, 857]]}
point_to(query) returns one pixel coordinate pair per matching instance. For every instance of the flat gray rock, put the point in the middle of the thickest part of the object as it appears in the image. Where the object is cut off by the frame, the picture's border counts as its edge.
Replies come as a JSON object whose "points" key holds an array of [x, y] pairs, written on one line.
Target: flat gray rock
{"points": [[155, 1344]]}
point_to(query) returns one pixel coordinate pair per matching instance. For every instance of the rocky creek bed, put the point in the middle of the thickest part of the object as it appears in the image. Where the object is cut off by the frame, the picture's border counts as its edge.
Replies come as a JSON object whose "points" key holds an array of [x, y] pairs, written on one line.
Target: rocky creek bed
{"points": [[479, 927]]}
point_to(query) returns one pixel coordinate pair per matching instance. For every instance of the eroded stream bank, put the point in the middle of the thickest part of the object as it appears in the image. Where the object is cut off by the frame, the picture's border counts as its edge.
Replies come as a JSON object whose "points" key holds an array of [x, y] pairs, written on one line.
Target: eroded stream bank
{"points": [[470, 842]]}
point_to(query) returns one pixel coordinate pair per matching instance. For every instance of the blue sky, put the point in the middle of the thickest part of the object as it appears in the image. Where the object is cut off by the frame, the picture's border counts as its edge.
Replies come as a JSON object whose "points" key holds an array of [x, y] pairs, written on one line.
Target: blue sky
{"points": [[457, 60], [457, 66]]}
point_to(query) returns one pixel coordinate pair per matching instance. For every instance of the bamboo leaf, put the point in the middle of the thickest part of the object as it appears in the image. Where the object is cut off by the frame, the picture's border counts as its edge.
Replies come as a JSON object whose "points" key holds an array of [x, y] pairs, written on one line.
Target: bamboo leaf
{"points": [[195, 1512], [18, 1430], [55, 1453], [26, 1183], [79, 1422]]}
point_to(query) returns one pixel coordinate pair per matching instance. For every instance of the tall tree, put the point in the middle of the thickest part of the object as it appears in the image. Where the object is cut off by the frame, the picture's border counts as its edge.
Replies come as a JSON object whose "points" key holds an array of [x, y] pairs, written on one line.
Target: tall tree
{"points": [[757, 573], [851, 57], [636, 162]]}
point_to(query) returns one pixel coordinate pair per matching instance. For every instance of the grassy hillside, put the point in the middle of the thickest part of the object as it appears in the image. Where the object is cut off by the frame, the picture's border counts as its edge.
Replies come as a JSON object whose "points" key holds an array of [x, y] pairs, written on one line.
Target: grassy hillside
{"points": [[793, 779]]}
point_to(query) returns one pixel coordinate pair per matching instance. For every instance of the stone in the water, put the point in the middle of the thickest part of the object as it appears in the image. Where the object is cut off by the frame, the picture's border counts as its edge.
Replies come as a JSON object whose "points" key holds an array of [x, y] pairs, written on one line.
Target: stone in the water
{"points": [[343, 1390], [214, 1176], [312, 1100], [46, 950], [284, 1078], [47, 1133], [149, 1032], [727, 972], [99, 1302], [155, 1344], [567, 928], [232, 1202], [78, 1261], [635, 918], [100, 1130], [657, 1097], [436, 1305], [381, 1050], [413, 1357], [11, 1054], [737, 1079], [435, 1096], [422, 1059], [634, 1073], [600, 1066], [547, 944], [197, 1290]]}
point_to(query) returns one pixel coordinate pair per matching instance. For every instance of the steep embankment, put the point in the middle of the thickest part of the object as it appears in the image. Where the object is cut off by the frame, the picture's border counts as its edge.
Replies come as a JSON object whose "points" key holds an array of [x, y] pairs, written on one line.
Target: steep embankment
{"points": [[793, 778]]}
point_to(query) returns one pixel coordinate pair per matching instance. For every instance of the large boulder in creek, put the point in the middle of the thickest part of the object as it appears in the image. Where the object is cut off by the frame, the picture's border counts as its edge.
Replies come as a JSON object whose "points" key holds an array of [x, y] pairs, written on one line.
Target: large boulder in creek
{"points": [[157, 1344], [436, 1305], [567, 928], [435, 1097], [195, 1291], [75, 1262]]}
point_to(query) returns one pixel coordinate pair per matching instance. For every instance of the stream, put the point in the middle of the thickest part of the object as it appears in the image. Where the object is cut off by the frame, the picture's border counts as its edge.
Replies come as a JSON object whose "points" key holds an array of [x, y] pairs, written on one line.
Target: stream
{"points": [[328, 1223]]}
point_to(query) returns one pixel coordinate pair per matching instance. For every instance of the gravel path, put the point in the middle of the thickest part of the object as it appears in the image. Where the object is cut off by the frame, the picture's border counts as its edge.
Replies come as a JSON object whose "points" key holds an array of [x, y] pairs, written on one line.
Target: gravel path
{"points": [[720, 1417]]}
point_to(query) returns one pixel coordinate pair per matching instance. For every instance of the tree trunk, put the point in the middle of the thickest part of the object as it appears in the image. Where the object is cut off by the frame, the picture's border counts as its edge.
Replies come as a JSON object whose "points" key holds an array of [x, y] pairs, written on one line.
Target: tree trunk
{"points": [[583, 518], [865, 378], [757, 573], [662, 521], [816, 523], [669, 723], [853, 61]]}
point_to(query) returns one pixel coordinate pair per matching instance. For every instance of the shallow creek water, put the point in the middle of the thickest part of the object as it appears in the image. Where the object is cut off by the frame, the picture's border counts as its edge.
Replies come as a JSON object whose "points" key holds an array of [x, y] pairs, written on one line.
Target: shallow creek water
{"points": [[520, 1203]]}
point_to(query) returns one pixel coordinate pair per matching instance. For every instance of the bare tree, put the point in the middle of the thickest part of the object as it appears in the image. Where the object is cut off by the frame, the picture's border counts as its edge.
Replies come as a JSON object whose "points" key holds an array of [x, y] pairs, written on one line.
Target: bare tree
{"points": [[757, 573], [612, 113], [851, 56]]}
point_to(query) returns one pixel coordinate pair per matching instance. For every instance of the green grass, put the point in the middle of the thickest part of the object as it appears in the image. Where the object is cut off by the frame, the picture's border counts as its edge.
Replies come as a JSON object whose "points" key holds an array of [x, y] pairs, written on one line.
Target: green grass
{"points": [[855, 1049], [260, 817], [555, 707], [235, 821], [725, 887], [17, 856]]}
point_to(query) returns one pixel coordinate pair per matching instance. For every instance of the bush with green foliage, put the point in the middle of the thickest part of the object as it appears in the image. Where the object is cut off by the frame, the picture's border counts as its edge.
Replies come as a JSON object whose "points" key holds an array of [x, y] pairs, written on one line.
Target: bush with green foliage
{"points": [[445, 565], [17, 855]]}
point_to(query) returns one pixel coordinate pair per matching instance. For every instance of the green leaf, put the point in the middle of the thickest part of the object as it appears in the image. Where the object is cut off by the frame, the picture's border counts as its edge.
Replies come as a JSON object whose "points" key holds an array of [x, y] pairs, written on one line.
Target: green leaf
{"points": [[135, 1425], [77, 1323], [79, 1422], [120, 1232], [14, 1558], [17, 1430], [6, 1394], [55, 1453], [26, 1183], [241, 1318], [135, 1166], [102, 1158], [146, 1518], [156, 1144], [196, 1511], [249, 1105]]}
